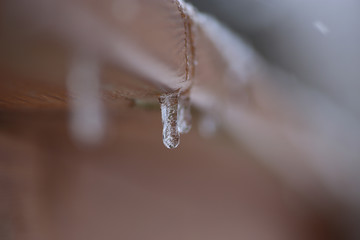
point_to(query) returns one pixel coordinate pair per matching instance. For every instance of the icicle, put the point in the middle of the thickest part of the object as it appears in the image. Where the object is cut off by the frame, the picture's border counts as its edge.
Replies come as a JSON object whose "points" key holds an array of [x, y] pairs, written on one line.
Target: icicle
{"points": [[169, 112], [87, 117], [184, 114]]}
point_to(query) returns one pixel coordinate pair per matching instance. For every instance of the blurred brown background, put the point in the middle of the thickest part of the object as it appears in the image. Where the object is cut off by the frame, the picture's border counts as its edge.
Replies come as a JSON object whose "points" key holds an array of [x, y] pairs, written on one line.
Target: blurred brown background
{"points": [[273, 152]]}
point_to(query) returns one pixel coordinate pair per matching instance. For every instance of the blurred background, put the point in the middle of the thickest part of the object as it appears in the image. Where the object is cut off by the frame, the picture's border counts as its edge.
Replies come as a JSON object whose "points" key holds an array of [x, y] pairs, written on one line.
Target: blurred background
{"points": [[273, 152]]}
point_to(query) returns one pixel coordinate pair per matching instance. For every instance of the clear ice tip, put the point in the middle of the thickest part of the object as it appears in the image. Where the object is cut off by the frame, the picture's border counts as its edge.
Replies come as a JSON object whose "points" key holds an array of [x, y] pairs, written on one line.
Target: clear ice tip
{"points": [[169, 116], [184, 114]]}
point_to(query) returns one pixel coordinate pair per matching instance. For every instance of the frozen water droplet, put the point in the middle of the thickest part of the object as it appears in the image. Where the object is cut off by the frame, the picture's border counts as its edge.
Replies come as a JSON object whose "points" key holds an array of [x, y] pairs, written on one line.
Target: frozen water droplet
{"points": [[184, 114], [169, 112], [87, 116]]}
